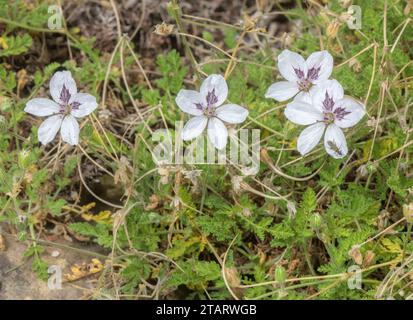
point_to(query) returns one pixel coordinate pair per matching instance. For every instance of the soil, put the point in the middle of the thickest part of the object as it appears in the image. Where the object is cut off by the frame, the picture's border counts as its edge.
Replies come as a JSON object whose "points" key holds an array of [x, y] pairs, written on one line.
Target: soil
{"points": [[18, 281]]}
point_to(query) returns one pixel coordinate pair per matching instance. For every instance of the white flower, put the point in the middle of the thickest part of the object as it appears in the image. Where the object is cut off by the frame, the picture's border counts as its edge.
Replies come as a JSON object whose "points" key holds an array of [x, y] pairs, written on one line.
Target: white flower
{"points": [[329, 112], [302, 75], [206, 108], [68, 105]]}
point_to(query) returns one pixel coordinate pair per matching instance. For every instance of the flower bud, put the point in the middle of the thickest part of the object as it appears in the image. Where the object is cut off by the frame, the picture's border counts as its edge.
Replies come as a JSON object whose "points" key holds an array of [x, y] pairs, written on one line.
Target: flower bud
{"points": [[371, 167], [280, 274], [22, 159], [315, 221], [408, 212]]}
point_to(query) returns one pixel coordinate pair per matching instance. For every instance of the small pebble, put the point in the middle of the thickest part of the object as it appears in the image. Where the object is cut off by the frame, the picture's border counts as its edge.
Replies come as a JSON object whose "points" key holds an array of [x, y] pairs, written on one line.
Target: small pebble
{"points": [[55, 254]]}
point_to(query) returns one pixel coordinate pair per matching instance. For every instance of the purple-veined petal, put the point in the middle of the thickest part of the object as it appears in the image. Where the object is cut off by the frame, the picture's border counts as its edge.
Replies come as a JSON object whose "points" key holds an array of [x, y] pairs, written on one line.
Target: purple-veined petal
{"points": [[49, 128], [194, 127], [319, 66], [82, 104], [335, 142], [292, 66], [348, 112], [190, 101], [302, 113], [327, 94], [217, 133], [214, 90], [232, 113], [70, 130], [310, 137], [282, 90], [41, 107], [62, 86]]}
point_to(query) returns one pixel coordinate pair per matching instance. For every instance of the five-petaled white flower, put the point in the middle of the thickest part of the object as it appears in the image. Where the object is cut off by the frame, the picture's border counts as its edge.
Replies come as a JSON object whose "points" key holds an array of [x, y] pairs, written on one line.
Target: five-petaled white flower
{"points": [[302, 76], [327, 111], [206, 108], [68, 105]]}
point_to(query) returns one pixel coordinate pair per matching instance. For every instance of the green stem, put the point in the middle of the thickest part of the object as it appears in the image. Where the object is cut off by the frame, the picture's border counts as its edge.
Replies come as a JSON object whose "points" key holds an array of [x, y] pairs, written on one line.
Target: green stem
{"points": [[307, 257]]}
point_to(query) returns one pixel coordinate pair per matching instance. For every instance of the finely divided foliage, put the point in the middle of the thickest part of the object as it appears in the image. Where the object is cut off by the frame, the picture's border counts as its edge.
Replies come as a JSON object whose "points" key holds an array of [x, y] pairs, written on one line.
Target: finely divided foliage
{"points": [[327, 215]]}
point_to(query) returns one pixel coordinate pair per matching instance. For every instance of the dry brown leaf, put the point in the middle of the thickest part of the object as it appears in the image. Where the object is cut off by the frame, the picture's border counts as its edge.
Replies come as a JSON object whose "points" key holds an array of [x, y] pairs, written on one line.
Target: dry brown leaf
{"points": [[22, 79], [164, 29], [153, 204], [79, 271], [356, 255], [368, 258]]}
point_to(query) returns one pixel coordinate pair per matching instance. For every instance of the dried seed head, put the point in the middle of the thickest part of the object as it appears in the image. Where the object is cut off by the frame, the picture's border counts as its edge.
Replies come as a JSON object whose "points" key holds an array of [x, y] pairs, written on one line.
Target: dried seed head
{"points": [[355, 64], [232, 277], [356, 255], [332, 28], [368, 258], [164, 29]]}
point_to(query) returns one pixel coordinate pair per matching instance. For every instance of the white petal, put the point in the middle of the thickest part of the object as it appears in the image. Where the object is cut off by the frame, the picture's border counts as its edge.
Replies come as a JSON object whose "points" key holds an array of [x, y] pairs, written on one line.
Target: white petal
{"points": [[321, 61], [348, 112], [49, 128], [41, 107], [217, 84], [187, 101], [305, 96], [287, 62], [302, 113], [232, 113], [60, 79], [217, 133], [194, 127], [70, 130], [87, 104], [282, 90], [310, 137], [335, 142], [332, 88]]}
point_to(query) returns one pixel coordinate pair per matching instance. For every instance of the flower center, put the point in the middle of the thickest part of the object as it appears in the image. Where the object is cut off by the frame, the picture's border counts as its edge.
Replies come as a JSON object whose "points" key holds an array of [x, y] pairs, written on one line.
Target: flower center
{"points": [[211, 100], [305, 82], [66, 109], [329, 117], [305, 85], [209, 112]]}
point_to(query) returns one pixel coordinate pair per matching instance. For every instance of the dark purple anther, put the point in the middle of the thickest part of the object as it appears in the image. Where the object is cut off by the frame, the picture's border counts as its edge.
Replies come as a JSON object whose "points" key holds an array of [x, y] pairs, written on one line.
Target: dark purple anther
{"points": [[199, 106]]}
